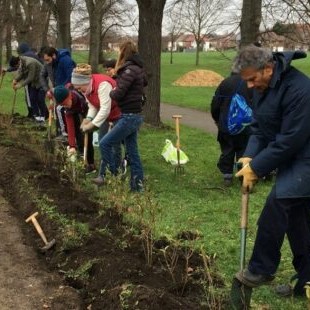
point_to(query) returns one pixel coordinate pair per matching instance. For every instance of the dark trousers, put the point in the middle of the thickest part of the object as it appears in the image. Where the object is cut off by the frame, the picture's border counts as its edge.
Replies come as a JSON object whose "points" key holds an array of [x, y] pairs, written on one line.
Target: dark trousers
{"points": [[232, 148], [36, 99], [278, 217]]}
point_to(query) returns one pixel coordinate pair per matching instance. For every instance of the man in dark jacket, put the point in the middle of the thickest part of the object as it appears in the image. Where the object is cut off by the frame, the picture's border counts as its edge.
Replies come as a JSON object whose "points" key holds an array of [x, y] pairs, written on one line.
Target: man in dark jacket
{"points": [[232, 146], [280, 140], [57, 71]]}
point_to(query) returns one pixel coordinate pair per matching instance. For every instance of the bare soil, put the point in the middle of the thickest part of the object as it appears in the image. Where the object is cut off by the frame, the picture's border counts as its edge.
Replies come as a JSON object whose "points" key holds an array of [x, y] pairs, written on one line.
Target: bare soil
{"points": [[96, 272], [199, 78]]}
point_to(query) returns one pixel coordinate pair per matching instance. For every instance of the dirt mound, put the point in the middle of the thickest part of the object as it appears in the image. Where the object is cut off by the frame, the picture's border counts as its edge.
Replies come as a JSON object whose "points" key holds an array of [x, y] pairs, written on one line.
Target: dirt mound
{"points": [[199, 78]]}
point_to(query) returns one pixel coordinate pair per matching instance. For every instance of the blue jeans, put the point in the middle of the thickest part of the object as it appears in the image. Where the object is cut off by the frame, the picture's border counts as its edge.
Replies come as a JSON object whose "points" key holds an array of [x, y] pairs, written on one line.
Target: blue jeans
{"points": [[125, 129], [117, 150]]}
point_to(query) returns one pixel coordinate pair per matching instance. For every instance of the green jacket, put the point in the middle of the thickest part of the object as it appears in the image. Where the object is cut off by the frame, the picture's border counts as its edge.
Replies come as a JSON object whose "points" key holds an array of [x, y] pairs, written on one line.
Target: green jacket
{"points": [[28, 72]]}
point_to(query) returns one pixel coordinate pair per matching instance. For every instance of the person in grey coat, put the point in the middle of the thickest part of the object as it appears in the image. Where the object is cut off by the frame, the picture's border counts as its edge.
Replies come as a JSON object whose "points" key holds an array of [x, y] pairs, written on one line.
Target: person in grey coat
{"points": [[280, 140], [28, 74]]}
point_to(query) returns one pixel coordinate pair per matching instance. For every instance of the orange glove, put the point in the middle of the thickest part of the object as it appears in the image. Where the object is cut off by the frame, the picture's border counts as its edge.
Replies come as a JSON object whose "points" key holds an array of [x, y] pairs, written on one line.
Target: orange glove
{"points": [[249, 178], [244, 160]]}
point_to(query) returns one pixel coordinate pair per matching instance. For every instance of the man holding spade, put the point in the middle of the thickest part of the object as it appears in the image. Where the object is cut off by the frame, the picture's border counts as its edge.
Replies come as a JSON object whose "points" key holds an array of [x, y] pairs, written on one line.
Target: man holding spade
{"points": [[280, 140]]}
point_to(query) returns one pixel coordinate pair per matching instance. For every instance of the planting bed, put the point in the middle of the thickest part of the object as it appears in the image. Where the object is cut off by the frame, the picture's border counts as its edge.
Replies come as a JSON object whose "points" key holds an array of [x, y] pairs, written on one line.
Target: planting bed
{"points": [[106, 267]]}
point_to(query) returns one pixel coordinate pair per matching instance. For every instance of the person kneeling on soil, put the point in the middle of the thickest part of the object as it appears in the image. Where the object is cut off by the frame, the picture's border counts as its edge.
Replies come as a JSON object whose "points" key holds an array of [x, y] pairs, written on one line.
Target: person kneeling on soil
{"points": [[76, 108]]}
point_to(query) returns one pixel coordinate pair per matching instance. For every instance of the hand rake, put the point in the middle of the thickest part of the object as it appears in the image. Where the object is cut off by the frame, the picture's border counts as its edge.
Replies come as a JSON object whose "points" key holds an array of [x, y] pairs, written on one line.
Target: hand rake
{"points": [[179, 169]]}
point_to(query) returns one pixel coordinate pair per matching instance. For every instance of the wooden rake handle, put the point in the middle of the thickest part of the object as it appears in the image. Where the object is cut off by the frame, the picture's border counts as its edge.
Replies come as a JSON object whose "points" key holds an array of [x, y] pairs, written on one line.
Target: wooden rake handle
{"points": [[177, 129]]}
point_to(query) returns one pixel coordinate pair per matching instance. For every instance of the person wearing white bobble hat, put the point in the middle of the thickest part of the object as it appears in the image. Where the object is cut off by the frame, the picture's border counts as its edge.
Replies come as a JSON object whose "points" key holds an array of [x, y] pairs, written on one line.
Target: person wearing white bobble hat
{"points": [[101, 108]]}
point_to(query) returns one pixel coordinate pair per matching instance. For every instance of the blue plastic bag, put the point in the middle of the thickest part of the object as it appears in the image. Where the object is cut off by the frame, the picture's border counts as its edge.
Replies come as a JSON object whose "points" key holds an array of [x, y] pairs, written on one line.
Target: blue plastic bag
{"points": [[239, 115]]}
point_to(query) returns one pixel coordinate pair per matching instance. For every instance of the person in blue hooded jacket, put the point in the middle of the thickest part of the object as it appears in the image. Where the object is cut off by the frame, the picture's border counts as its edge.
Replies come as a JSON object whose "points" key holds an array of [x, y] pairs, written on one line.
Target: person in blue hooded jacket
{"points": [[280, 140], [58, 70]]}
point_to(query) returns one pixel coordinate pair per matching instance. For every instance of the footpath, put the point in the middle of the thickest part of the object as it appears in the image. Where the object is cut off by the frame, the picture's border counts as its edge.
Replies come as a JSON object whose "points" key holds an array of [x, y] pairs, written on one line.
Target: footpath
{"points": [[190, 117]]}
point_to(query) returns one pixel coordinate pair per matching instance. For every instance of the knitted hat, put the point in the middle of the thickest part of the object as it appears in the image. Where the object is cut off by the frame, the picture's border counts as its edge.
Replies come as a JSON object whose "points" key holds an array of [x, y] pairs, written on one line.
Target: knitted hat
{"points": [[61, 93], [22, 48], [13, 63], [80, 79], [81, 74], [109, 63]]}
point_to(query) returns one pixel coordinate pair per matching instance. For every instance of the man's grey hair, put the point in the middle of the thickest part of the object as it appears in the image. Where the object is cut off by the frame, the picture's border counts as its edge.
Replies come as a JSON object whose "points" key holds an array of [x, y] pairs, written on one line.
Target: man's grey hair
{"points": [[252, 57]]}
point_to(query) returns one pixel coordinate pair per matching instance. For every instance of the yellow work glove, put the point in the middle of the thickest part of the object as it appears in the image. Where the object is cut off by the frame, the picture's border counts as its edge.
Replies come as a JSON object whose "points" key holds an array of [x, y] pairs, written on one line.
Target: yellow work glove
{"points": [[249, 178], [244, 160]]}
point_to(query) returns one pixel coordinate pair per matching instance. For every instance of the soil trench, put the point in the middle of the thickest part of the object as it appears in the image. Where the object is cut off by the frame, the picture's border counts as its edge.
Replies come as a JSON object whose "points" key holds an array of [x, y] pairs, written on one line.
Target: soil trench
{"points": [[104, 269], [24, 283]]}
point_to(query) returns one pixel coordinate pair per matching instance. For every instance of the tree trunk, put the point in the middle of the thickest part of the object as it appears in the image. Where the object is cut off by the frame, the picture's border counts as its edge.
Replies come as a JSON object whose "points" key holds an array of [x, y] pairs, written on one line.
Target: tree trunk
{"points": [[95, 12], [150, 23], [5, 26], [197, 52], [8, 41], [250, 21], [63, 14]]}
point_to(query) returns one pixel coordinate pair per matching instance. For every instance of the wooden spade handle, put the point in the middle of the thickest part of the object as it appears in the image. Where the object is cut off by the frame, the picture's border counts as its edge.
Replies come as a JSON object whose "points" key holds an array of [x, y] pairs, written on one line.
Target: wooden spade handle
{"points": [[244, 210], [85, 148]]}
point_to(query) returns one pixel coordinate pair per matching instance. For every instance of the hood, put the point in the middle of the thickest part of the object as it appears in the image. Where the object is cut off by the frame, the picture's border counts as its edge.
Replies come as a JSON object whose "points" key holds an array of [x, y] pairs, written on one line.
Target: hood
{"points": [[63, 52], [284, 59], [22, 48], [136, 59]]}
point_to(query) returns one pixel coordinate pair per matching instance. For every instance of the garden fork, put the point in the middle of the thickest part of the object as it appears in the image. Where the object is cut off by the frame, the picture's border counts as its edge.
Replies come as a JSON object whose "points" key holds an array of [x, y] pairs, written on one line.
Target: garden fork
{"points": [[179, 169]]}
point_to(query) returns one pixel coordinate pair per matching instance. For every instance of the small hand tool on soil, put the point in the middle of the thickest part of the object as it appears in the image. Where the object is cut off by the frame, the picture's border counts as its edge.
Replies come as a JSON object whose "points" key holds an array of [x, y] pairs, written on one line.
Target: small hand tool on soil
{"points": [[38, 228], [179, 169], [13, 106], [240, 294]]}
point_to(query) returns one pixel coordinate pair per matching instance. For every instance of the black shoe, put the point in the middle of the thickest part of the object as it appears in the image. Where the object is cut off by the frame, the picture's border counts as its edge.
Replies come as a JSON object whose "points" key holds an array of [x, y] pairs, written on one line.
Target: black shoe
{"points": [[253, 280], [90, 169], [99, 181], [284, 290], [228, 182]]}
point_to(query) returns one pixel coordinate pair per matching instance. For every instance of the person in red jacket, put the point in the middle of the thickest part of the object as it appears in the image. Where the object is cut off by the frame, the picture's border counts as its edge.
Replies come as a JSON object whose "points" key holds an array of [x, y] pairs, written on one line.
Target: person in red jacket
{"points": [[96, 88], [75, 107]]}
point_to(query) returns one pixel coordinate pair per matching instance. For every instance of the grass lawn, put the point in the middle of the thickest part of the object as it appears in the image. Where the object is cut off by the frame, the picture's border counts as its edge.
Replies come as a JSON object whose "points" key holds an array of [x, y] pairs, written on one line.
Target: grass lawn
{"points": [[200, 97], [191, 202]]}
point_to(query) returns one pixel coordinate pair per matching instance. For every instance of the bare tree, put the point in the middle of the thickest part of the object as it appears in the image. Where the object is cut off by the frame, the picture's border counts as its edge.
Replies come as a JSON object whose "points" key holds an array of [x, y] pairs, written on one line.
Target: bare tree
{"points": [[150, 25], [202, 17], [61, 10], [4, 19], [30, 20], [250, 21], [173, 24]]}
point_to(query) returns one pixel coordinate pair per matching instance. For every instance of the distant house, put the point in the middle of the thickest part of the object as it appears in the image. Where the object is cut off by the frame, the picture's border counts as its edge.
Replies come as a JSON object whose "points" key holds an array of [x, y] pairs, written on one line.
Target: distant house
{"points": [[287, 37], [80, 44], [186, 42], [223, 41]]}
